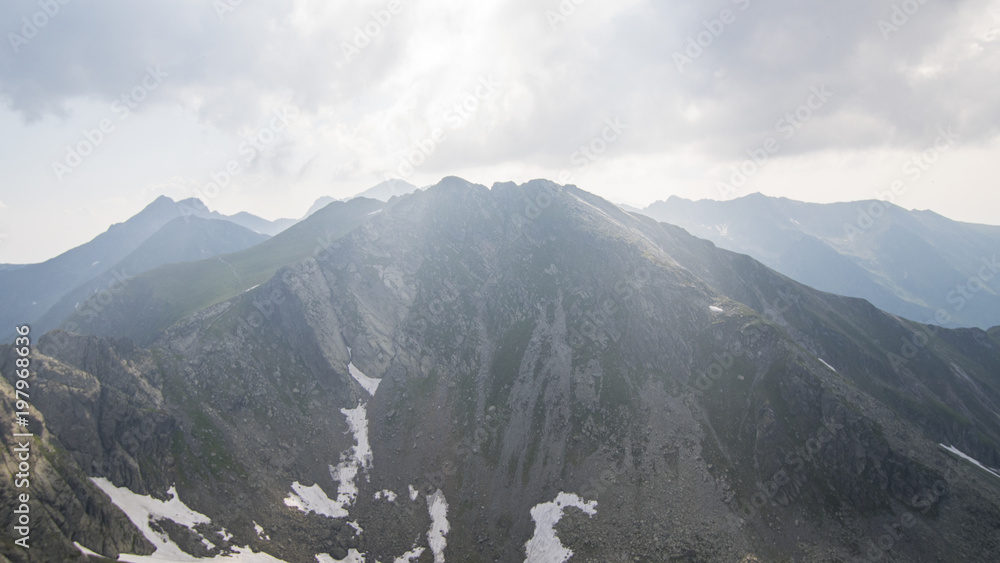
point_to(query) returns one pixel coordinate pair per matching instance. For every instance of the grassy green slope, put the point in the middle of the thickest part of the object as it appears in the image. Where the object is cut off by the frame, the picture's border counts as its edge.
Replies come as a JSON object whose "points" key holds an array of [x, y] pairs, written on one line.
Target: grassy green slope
{"points": [[154, 300]]}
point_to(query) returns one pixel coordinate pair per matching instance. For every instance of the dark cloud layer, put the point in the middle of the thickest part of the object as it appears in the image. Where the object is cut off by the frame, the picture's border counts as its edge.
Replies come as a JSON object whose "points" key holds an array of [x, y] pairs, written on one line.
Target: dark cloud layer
{"points": [[561, 76]]}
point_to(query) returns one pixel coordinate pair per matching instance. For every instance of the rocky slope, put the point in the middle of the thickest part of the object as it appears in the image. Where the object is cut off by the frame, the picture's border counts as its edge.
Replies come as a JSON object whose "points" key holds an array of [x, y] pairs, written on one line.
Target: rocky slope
{"points": [[492, 374], [64, 506]]}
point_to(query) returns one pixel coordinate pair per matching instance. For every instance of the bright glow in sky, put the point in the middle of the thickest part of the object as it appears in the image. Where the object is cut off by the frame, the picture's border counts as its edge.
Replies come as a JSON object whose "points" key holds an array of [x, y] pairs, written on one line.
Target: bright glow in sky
{"points": [[632, 100]]}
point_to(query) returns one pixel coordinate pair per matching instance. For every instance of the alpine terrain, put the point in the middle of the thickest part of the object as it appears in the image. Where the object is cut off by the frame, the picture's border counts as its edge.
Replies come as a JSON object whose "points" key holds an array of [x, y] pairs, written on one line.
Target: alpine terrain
{"points": [[916, 264], [516, 373]]}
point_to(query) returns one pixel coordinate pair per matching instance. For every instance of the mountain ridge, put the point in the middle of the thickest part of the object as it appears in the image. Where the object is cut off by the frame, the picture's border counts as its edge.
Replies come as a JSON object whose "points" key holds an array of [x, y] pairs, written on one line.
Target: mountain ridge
{"points": [[912, 263], [532, 340]]}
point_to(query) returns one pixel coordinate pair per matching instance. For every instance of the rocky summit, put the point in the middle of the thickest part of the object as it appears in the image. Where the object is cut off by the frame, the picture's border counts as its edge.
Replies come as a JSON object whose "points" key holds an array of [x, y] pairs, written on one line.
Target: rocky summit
{"points": [[516, 373]]}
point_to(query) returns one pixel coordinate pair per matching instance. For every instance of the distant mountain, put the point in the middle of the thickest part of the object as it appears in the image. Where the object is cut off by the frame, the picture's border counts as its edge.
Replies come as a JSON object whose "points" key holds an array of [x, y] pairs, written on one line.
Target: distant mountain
{"points": [[383, 192], [388, 189], [184, 239], [916, 264], [154, 300], [257, 224], [26, 293], [319, 204], [516, 373]]}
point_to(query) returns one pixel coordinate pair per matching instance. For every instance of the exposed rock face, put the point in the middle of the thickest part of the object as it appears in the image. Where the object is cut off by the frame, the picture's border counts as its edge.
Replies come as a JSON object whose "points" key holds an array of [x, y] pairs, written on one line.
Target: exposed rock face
{"points": [[529, 341], [64, 506]]}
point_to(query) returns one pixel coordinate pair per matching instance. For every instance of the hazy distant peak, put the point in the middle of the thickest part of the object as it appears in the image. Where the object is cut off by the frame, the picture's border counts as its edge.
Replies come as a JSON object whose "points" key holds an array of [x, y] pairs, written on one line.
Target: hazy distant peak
{"points": [[195, 204], [162, 202], [541, 183], [319, 204], [384, 191]]}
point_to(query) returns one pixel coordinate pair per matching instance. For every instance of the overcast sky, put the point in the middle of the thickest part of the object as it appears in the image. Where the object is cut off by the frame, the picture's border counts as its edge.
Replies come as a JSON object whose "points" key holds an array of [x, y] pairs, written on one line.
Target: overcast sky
{"points": [[310, 98]]}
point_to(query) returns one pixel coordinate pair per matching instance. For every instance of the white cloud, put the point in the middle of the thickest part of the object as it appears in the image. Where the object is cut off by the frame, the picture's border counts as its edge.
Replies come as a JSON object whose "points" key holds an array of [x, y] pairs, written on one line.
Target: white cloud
{"points": [[362, 117]]}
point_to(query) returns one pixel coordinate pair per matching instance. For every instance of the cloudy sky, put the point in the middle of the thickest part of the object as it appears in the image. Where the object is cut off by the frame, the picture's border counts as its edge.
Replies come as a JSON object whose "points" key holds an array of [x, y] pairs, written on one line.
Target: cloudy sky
{"points": [[105, 105]]}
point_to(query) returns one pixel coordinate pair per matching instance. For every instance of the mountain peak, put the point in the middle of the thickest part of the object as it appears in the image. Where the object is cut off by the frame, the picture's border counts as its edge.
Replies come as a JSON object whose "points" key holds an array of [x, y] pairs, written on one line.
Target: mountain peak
{"points": [[388, 189], [193, 203]]}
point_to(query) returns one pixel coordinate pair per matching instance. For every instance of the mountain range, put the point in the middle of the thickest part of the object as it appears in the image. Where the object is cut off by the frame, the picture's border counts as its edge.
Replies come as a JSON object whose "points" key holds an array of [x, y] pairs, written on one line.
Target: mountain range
{"points": [[164, 232], [514, 373], [916, 264]]}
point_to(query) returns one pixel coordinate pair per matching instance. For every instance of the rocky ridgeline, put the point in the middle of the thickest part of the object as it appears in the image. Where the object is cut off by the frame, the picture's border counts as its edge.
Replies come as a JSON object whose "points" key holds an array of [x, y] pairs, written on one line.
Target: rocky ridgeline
{"points": [[530, 341]]}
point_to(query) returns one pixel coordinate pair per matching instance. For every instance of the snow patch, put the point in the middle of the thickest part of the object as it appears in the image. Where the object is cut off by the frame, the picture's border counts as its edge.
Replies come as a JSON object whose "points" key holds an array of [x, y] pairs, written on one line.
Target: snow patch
{"points": [[241, 555], [251, 288], [437, 507], [410, 556], [260, 531], [413, 493], [347, 491], [357, 420], [386, 494], [141, 509], [359, 457], [715, 309], [369, 383], [970, 459], [357, 528], [353, 556], [86, 551], [822, 361], [544, 546], [314, 499]]}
